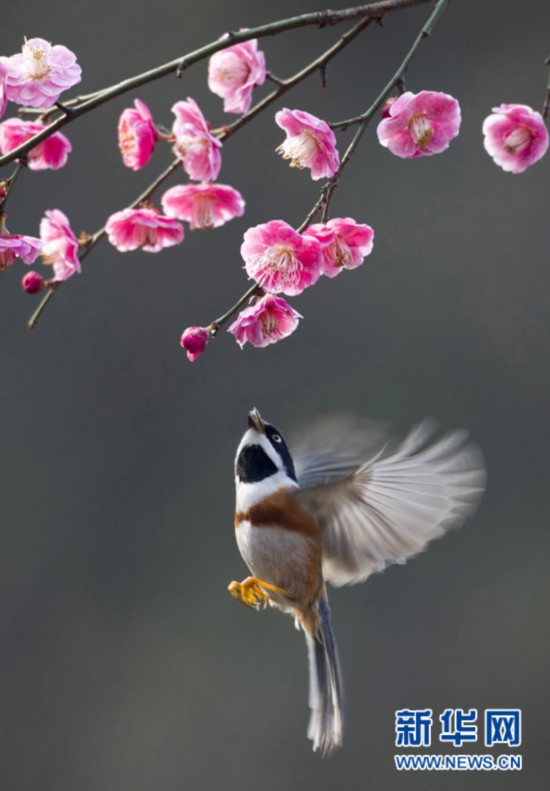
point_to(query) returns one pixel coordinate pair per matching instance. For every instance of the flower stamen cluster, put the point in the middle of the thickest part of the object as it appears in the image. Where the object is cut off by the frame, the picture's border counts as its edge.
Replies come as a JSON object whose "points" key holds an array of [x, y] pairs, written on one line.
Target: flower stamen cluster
{"points": [[421, 130]]}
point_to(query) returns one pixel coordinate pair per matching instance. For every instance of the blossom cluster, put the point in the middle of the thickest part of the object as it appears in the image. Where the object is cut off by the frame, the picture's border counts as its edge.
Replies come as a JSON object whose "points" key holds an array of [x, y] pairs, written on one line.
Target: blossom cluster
{"points": [[279, 259], [283, 261]]}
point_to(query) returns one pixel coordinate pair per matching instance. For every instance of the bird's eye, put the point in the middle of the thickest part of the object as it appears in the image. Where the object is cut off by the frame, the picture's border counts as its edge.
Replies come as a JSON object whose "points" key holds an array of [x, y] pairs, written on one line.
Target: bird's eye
{"points": [[277, 438]]}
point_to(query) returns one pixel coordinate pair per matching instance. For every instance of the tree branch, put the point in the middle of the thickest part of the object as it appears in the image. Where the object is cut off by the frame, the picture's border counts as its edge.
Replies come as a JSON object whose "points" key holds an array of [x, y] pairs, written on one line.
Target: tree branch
{"points": [[319, 18], [284, 85], [328, 189], [98, 235]]}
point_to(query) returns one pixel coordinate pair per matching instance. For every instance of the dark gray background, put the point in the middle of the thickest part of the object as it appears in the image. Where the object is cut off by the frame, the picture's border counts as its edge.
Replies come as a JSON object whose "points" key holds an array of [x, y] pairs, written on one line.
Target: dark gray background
{"points": [[125, 664]]}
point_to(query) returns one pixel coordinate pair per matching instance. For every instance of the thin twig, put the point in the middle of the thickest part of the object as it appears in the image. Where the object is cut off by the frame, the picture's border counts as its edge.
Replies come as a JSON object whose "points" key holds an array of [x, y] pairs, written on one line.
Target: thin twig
{"points": [[364, 119], [319, 18], [398, 76], [10, 183], [284, 86], [50, 110], [328, 189], [98, 235], [255, 290]]}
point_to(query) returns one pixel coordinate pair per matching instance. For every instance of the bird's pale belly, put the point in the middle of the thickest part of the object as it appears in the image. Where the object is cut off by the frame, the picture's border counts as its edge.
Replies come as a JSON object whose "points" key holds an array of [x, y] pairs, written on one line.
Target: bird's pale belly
{"points": [[278, 556]]}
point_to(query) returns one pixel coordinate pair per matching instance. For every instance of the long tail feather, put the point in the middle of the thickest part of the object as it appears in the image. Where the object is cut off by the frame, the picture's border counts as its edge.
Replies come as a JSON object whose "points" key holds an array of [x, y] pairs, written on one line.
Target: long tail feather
{"points": [[325, 685]]}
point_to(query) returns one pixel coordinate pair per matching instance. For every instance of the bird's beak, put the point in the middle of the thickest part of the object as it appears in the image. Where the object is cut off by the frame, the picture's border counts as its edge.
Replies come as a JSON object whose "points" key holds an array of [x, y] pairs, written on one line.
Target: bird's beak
{"points": [[255, 421]]}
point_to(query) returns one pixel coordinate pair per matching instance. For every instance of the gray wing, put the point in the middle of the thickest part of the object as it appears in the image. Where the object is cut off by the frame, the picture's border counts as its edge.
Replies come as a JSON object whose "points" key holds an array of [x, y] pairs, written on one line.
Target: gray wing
{"points": [[334, 446], [388, 508]]}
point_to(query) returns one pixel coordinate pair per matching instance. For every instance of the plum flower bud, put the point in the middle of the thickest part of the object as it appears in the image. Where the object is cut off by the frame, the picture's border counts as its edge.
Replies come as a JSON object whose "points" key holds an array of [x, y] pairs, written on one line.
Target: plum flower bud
{"points": [[137, 135], [32, 283], [203, 205], [310, 143], [145, 228], [197, 148], [515, 136], [13, 246], [233, 74], [60, 245], [279, 259], [420, 124], [38, 75], [50, 154], [344, 244], [385, 109], [194, 341], [269, 320]]}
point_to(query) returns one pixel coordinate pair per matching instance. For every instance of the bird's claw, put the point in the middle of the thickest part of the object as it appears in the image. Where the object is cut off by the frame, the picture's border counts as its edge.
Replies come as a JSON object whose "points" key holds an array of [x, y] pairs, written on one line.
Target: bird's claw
{"points": [[251, 592]]}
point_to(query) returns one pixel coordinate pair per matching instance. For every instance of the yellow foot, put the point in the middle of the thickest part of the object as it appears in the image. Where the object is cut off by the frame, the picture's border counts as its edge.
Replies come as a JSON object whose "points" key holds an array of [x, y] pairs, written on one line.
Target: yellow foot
{"points": [[251, 593]]}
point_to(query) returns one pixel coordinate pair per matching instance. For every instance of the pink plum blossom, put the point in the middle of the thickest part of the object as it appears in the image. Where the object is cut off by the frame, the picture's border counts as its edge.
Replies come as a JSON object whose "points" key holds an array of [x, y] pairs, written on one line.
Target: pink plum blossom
{"points": [[269, 320], [50, 154], [32, 282], [203, 205], [60, 245], [279, 259], [145, 228], [197, 148], [38, 75], [13, 246], [233, 74], [515, 137], [310, 143], [420, 124], [344, 244], [3, 89], [194, 340], [137, 135]]}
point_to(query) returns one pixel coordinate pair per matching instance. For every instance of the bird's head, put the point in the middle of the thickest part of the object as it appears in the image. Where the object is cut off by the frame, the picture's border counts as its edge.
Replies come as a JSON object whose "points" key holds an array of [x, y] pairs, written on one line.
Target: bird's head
{"points": [[263, 463]]}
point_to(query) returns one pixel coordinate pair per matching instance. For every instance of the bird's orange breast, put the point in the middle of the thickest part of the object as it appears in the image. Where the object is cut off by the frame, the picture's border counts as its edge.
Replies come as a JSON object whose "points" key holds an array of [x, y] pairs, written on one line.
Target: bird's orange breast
{"points": [[280, 510]]}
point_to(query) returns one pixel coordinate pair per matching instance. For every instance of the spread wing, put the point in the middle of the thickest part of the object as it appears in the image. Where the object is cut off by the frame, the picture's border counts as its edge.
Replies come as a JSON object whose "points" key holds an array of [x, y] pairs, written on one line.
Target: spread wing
{"points": [[386, 509], [334, 446]]}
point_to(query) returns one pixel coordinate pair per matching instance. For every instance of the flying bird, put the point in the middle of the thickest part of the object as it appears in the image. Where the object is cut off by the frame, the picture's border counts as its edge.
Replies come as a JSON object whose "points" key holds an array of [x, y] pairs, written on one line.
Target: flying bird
{"points": [[348, 503]]}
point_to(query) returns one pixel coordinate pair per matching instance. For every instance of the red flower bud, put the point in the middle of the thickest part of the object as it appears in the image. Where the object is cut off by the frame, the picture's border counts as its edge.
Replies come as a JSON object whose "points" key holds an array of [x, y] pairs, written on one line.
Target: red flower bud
{"points": [[33, 282]]}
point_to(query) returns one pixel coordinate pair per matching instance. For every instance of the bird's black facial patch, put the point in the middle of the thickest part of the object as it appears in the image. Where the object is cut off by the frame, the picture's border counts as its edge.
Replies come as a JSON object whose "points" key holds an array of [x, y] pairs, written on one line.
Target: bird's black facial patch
{"points": [[277, 440], [254, 465]]}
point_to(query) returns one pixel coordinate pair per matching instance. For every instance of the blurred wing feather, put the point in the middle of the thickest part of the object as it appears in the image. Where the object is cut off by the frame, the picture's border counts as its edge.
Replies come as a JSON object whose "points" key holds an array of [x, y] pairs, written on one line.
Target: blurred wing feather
{"points": [[388, 508]]}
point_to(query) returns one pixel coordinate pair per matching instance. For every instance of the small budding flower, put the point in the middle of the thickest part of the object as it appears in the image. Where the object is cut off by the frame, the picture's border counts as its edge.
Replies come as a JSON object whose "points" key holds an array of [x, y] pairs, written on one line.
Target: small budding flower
{"points": [[50, 154], [203, 205], [385, 111], [32, 283], [344, 244], [515, 136], [281, 260], [194, 340], [38, 75], [269, 320], [60, 245], [310, 143], [420, 124], [197, 148], [137, 135], [144, 228], [233, 73]]}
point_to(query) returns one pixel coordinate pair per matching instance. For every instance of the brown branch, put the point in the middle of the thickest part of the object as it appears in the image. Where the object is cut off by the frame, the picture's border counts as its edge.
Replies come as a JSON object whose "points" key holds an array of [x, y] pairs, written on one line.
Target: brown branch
{"points": [[319, 18]]}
